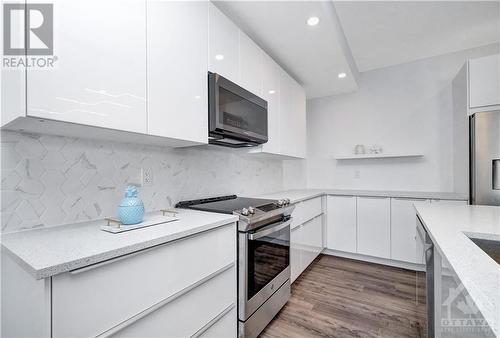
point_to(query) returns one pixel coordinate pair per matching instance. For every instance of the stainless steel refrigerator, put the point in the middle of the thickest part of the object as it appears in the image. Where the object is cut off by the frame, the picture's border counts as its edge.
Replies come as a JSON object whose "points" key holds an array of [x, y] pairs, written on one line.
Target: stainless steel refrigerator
{"points": [[485, 158]]}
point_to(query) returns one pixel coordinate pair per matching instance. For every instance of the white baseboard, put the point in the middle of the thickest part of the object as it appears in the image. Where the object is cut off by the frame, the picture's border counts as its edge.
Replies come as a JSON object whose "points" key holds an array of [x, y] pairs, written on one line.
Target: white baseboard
{"points": [[376, 260]]}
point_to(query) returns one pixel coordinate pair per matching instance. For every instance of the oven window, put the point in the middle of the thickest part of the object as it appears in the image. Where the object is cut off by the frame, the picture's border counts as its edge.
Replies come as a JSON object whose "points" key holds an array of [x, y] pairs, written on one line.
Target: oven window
{"points": [[236, 112], [267, 257]]}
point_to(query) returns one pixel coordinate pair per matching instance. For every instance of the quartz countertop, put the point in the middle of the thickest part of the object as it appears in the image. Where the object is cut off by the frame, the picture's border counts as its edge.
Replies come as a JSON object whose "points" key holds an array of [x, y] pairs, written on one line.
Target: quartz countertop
{"points": [[447, 226], [54, 250], [299, 195]]}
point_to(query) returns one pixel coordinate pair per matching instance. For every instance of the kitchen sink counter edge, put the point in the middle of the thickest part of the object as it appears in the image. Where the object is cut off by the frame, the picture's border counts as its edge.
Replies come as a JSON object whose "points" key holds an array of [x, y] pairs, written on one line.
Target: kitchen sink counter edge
{"points": [[53, 250], [450, 227], [299, 195]]}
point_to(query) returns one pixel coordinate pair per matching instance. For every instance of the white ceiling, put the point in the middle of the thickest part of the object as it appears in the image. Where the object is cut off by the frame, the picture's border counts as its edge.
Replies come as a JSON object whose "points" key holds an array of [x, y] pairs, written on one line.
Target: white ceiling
{"points": [[385, 33], [312, 55], [357, 36]]}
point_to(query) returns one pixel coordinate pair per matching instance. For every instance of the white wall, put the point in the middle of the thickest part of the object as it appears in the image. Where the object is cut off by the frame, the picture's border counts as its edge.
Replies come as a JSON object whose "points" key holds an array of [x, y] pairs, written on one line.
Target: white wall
{"points": [[403, 108], [51, 180]]}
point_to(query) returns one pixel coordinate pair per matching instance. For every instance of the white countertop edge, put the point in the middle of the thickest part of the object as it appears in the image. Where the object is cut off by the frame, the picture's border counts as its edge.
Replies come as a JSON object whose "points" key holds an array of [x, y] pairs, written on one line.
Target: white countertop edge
{"points": [[477, 284], [299, 195], [52, 270]]}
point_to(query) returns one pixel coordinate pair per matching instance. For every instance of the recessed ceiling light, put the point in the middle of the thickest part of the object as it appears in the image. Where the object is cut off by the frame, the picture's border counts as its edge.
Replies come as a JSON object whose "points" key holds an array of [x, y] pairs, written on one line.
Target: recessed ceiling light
{"points": [[313, 21], [272, 91], [219, 57], [342, 75]]}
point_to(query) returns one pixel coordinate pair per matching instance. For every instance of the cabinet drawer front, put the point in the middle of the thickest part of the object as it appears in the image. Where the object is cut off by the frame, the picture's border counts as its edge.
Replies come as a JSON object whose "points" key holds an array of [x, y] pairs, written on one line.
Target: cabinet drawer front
{"points": [[224, 328], [306, 210], [93, 301], [189, 313]]}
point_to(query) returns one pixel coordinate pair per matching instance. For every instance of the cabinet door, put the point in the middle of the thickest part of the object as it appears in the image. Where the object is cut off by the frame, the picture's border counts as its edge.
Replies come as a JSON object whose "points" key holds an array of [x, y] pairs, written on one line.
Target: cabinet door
{"points": [[177, 38], [250, 65], [271, 93], [374, 226], [295, 257], [484, 81], [341, 227], [13, 93], [299, 137], [286, 113], [403, 230], [223, 45], [99, 78]]}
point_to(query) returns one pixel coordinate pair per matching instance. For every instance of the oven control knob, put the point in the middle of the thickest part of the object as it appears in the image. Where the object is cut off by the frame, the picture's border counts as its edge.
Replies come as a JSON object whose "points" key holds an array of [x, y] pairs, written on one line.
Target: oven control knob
{"points": [[287, 201], [244, 212], [280, 203], [251, 210]]}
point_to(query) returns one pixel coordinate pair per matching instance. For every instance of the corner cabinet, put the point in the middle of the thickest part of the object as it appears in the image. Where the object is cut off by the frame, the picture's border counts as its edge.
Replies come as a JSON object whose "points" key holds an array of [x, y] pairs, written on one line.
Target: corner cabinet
{"points": [[99, 78]]}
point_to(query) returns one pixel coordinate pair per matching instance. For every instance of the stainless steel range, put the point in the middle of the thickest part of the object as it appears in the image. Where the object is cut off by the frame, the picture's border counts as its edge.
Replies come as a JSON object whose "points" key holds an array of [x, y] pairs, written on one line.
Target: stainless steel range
{"points": [[263, 256]]}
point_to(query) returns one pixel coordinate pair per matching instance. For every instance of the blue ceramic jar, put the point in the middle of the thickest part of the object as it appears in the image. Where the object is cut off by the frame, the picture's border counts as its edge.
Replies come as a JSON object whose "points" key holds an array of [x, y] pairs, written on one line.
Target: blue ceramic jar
{"points": [[131, 208]]}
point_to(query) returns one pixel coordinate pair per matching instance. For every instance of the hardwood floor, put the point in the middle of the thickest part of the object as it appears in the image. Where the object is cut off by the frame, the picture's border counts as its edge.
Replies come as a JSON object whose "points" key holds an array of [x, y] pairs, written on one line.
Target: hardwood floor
{"points": [[339, 297]]}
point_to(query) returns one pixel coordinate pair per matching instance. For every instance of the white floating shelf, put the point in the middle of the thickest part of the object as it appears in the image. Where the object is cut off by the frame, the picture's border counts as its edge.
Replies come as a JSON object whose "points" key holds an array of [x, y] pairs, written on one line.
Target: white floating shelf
{"points": [[375, 156]]}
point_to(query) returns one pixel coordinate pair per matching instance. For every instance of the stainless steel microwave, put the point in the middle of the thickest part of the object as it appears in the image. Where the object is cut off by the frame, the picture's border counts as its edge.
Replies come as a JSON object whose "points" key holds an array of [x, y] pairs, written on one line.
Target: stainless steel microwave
{"points": [[236, 117]]}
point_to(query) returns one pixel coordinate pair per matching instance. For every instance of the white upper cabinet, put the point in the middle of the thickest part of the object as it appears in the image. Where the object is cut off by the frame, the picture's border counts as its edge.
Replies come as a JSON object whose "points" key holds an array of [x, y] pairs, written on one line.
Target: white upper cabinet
{"points": [[99, 78], [177, 42], [223, 45], [292, 117], [403, 230], [374, 226], [341, 225], [250, 65], [484, 81], [13, 94], [271, 93]]}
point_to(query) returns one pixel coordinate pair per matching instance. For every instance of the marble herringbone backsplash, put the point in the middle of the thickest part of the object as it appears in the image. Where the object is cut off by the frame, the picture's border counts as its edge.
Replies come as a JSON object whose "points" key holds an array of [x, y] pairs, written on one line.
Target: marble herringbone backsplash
{"points": [[52, 180]]}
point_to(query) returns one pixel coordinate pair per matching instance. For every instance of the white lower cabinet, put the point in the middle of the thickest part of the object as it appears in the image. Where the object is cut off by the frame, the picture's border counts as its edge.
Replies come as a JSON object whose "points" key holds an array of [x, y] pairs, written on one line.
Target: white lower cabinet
{"points": [[306, 244], [196, 274], [184, 316], [374, 226], [403, 229], [341, 223]]}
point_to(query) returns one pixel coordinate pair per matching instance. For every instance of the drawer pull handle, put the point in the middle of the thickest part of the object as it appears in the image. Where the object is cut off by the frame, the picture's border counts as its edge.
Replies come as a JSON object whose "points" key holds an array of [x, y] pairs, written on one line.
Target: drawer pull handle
{"points": [[213, 321]]}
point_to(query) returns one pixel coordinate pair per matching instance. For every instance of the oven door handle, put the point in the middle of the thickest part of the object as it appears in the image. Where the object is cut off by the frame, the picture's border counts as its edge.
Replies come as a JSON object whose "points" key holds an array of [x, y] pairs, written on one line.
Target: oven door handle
{"points": [[269, 230]]}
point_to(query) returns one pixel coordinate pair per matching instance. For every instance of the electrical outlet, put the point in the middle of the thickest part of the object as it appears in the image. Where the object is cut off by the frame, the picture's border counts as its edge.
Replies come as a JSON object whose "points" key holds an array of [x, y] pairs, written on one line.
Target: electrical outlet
{"points": [[147, 176], [357, 174]]}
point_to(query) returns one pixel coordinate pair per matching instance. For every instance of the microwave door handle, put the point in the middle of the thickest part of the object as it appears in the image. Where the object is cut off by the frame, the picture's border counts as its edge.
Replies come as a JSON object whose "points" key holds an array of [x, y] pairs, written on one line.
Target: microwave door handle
{"points": [[269, 230]]}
